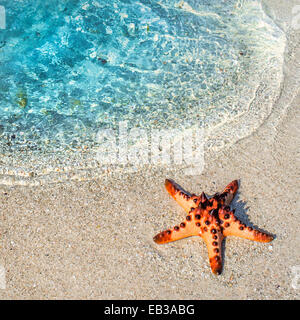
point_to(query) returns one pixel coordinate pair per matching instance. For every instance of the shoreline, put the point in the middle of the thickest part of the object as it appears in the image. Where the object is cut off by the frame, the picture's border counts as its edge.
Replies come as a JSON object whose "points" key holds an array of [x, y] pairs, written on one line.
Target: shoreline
{"points": [[93, 239]]}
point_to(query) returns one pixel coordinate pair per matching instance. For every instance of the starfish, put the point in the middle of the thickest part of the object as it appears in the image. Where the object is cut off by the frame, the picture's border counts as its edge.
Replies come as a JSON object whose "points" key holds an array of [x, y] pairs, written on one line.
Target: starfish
{"points": [[211, 219]]}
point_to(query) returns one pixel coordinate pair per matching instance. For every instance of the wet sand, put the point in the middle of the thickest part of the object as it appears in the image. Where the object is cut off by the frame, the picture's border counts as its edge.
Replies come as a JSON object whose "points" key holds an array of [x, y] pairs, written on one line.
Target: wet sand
{"points": [[93, 239]]}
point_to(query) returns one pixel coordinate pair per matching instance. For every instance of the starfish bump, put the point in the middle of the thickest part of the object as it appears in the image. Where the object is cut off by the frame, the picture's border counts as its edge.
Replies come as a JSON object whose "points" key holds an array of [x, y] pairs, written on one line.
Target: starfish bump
{"points": [[211, 219]]}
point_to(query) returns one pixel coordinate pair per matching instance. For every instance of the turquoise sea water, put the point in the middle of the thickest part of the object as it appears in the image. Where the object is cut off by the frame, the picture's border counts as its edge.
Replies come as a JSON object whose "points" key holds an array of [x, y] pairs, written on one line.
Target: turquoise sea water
{"points": [[70, 68]]}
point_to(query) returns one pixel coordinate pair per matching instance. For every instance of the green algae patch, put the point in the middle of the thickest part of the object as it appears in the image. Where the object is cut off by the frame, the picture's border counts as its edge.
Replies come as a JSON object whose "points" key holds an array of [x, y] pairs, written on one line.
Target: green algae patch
{"points": [[76, 103], [22, 99]]}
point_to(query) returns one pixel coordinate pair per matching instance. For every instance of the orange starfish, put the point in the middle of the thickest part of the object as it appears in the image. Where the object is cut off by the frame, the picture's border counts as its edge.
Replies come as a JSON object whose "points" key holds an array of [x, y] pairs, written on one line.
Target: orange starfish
{"points": [[210, 219]]}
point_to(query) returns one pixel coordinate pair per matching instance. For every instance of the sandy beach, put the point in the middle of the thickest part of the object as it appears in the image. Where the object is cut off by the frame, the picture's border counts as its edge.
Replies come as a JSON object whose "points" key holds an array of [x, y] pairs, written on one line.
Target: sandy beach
{"points": [[94, 239]]}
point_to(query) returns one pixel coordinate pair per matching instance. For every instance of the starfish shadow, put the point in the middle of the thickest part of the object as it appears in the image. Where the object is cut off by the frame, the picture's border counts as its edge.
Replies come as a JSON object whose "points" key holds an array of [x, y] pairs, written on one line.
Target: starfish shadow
{"points": [[241, 213]]}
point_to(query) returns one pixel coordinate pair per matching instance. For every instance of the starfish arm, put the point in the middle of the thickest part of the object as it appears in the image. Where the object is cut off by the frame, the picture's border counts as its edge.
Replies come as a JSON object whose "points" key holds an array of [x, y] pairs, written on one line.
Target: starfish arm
{"points": [[184, 230], [186, 200], [229, 192], [214, 246], [234, 227]]}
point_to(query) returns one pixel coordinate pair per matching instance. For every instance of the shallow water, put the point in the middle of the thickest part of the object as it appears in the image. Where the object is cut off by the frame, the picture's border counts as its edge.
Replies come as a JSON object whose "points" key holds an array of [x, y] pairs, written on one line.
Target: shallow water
{"points": [[71, 68]]}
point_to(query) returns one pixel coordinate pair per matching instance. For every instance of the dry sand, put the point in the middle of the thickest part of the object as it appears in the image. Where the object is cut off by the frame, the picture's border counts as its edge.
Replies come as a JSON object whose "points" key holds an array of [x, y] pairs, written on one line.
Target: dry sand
{"points": [[93, 239]]}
